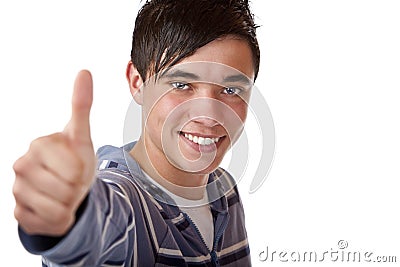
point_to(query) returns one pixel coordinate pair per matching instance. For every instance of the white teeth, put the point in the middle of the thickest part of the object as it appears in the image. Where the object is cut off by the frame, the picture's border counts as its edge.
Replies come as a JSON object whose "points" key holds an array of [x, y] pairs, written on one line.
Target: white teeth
{"points": [[201, 140], [208, 141]]}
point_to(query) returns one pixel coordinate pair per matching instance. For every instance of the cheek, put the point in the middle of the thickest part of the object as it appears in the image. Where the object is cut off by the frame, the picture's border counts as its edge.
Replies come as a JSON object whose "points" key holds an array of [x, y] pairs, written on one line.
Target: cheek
{"points": [[242, 112], [162, 109], [235, 122], [240, 108]]}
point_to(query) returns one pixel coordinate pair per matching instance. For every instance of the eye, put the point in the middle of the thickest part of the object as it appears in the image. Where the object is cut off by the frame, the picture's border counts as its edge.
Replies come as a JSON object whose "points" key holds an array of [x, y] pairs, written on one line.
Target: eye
{"points": [[180, 85], [232, 90]]}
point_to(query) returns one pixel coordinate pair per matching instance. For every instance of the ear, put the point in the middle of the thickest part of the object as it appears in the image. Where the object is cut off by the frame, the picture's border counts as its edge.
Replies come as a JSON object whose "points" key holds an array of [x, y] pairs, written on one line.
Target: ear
{"points": [[135, 82]]}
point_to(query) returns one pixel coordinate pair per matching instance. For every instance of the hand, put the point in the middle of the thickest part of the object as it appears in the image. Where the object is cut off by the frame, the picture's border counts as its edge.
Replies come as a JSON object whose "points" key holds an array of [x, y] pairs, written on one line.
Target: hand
{"points": [[55, 175]]}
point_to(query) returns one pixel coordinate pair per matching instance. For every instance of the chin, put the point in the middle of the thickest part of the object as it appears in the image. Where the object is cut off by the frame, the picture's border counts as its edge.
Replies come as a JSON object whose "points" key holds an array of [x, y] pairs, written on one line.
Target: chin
{"points": [[197, 167]]}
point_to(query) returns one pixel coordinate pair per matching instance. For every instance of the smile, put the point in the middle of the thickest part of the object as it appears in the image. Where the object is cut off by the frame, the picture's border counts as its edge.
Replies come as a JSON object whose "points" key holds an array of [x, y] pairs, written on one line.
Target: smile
{"points": [[200, 140]]}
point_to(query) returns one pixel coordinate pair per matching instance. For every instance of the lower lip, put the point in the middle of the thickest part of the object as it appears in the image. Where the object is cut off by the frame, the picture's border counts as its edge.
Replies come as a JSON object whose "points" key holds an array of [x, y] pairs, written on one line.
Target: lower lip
{"points": [[202, 148]]}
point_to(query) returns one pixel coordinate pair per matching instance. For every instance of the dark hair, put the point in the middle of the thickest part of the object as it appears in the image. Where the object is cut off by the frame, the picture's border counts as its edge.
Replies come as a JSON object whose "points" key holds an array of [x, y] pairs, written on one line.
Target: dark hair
{"points": [[167, 31]]}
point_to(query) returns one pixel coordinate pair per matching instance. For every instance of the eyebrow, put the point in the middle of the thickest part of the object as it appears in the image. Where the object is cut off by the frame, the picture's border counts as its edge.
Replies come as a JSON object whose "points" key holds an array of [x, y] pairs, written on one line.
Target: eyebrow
{"points": [[177, 73], [238, 78]]}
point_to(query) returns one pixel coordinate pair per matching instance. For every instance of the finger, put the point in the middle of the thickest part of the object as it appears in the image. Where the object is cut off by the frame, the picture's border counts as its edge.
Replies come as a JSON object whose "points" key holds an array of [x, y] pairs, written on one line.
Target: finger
{"points": [[32, 224], [55, 155], [53, 187], [78, 128], [28, 220], [45, 207]]}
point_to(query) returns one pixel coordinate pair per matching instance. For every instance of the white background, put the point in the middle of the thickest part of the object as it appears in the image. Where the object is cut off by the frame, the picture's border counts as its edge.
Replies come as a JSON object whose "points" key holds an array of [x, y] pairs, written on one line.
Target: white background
{"points": [[330, 72]]}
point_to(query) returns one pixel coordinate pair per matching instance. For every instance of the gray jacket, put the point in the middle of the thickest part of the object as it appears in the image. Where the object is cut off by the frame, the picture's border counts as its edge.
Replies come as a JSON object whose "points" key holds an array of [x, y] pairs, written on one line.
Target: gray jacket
{"points": [[126, 221]]}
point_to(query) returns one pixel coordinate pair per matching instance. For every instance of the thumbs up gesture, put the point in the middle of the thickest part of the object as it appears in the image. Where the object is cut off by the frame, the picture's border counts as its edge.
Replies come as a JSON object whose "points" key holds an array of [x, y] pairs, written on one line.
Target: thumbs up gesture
{"points": [[55, 175]]}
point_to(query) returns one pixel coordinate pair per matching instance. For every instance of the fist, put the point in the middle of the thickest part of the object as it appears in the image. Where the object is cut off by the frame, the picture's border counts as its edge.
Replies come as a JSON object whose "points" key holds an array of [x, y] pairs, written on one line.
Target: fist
{"points": [[55, 175]]}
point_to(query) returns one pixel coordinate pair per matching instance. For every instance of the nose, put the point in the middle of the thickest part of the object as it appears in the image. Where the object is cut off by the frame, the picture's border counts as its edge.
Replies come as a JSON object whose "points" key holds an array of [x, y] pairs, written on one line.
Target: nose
{"points": [[207, 111], [207, 108], [207, 121]]}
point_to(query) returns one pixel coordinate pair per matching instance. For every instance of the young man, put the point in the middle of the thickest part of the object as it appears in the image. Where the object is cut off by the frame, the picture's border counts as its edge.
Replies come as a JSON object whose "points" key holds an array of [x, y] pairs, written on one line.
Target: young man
{"points": [[161, 200]]}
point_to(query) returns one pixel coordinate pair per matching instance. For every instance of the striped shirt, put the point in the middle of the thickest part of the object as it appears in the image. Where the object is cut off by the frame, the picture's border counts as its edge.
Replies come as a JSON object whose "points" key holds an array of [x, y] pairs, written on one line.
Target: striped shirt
{"points": [[126, 220]]}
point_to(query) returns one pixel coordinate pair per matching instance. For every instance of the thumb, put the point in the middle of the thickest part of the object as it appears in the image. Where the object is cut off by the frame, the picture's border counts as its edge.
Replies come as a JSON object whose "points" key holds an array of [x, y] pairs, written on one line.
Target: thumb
{"points": [[78, 128]]}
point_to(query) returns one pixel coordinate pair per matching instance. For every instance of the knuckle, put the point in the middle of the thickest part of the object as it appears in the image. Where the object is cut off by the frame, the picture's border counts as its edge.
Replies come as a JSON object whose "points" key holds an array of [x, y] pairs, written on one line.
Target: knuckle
{"points": [[22, 165], [36, 148], [37, 144], [18, 165], [18, 213], [17, 189], [25, 221]]}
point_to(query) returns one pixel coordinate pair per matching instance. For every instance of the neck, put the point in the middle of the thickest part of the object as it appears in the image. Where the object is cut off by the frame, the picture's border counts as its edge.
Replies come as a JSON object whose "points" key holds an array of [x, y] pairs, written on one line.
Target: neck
{"points": [[153, 161]]}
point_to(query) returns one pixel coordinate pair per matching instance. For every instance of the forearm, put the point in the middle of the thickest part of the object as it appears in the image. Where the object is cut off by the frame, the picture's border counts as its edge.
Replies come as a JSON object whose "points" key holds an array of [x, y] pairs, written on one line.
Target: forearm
{"points": [[101, 232]]}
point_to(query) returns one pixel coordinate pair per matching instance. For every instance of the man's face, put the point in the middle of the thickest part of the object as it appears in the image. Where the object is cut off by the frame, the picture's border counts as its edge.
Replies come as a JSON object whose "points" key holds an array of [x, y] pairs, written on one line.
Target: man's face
{"points": [[194, 111]]}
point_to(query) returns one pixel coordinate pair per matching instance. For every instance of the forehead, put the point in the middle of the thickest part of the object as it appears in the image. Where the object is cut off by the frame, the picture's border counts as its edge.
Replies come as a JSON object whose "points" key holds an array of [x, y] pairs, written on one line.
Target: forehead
{"points": [[229, 56]]}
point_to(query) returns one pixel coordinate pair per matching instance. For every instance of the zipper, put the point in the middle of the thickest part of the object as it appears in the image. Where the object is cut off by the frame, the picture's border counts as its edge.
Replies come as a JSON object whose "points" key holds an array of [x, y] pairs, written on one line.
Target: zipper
{"points": [[213, 253], [216, 239], [197, 230]]}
